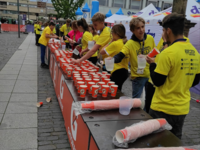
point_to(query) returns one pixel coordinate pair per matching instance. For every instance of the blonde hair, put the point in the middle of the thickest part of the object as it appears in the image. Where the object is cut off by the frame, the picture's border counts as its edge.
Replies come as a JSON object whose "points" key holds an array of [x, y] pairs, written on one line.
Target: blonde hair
{"points": [[134, 22], [98, 17]]}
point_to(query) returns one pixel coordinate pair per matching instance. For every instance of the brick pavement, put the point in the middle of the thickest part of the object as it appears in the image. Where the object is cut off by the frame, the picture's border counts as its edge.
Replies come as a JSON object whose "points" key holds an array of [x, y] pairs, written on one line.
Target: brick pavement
{"points": [[9, 43], [191, 128], [51, 129]]}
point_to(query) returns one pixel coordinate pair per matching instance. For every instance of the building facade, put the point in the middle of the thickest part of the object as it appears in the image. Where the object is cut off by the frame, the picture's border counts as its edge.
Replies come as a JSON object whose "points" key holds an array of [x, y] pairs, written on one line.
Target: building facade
{"points": [[130, 7], [8, 9]]}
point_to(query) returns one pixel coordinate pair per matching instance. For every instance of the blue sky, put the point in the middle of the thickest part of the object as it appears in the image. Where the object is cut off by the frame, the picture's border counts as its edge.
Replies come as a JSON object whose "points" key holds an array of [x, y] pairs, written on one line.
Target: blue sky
{"points": [[42, 0]]}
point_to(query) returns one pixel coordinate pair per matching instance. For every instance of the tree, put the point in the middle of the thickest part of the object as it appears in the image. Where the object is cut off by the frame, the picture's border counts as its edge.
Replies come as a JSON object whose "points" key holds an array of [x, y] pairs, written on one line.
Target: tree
{"points": [[66, 8]]}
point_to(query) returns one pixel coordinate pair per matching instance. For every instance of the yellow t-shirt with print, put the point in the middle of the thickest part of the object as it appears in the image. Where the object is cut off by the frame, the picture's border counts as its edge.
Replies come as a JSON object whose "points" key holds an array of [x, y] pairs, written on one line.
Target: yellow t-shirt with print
{"points": [[104, 38], [132, 49], [65, 30], [160, 48], [43, 40], [180, 62], [87, 36], [38, 27], [113, 49], [35, 26]]}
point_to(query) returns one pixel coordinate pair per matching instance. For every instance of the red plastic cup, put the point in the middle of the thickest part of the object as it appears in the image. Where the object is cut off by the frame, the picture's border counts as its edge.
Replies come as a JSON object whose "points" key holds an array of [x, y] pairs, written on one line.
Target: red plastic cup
{"points": [[104, 72], [83, 90], [154, 52], [103, 78], [87, 80], [97, 68], [109, 84], [114, 90], [95, 90], [198, 101], [78, 79], [106, 81], [90, 84], [79, 83], [83, 72], [95, 77], [99, 73], [75, 72], [100, 86], [105, 89], [70, 54], [85, 77], [96, 81], [108, 75], [69, 72], [79, 70], [76, 76]]}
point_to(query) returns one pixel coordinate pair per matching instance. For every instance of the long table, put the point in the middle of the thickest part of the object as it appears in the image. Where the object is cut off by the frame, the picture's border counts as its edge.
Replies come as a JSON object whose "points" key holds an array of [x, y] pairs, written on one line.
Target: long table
{"points": [[94, 131]]}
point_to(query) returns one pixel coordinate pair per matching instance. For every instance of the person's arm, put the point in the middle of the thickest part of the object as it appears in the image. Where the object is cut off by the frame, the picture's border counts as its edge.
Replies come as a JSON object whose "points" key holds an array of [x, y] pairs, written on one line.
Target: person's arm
{"points": [[51, 36], [196, 80], [83, 51], [103, 52]]}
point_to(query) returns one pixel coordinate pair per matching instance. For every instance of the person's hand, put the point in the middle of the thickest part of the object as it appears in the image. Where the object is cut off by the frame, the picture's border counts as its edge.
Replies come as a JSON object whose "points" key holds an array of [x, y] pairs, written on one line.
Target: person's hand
{"points": [[55, 36], [75, 61], [60, 38], [81, 53], [78, 47], [109, 58], [150, 60]]}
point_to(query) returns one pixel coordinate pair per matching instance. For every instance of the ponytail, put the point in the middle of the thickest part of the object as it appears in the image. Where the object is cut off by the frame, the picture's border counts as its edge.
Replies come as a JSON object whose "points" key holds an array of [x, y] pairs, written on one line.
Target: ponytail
{"points": [[82, 22]]}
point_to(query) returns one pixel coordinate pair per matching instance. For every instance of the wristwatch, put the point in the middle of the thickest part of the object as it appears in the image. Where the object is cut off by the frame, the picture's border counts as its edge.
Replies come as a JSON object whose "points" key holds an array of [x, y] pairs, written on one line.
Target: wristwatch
{"points": [[164, 43]]}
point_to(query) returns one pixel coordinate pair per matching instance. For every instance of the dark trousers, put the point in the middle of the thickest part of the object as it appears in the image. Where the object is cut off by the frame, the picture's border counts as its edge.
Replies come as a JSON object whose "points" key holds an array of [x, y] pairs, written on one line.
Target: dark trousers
{"points": [[119, 77], [150, 89], [57, 32], [93, 60], [43, 49], [175, 121], [37, 38]]}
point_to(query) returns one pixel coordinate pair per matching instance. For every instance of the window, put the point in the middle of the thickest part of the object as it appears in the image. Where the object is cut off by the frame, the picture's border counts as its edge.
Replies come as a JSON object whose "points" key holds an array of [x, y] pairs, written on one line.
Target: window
{"points": [[153, 2], [135, 4], [23, 5], [102, 2], [3, 3], [32, 6], [119, 3], [52, 8], [13, 4], [166, 5]]}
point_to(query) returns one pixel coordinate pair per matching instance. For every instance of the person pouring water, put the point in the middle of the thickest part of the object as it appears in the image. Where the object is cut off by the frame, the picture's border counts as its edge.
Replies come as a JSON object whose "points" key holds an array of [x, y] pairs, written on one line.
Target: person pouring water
{"points": [[119, 71], [136, 48]]}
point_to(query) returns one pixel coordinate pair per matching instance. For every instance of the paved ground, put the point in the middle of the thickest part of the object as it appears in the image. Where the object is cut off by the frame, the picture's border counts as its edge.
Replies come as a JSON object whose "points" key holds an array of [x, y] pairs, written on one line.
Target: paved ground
{"points": [[43, 128]]}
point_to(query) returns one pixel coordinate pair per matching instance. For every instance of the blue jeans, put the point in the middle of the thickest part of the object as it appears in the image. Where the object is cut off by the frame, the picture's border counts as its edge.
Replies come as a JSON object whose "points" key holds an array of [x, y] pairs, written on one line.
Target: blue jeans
{"points": [[137, 86], [43, 49]]}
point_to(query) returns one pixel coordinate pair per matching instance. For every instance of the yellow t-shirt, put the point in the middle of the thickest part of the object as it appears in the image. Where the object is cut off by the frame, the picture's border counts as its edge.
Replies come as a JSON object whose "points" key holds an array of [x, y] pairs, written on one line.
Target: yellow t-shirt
{"points": [[132, 49], [95, 38], [66, 30], [35, 26], [43, 40], [180, 62], [104, 38], [87, 36], [113, 49], [54, 30], [38, 27]]}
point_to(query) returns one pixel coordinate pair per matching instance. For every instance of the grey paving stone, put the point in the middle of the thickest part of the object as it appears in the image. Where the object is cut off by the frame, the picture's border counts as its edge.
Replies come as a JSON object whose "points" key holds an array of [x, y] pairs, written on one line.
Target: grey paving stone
{"points": [[60, 141], [19, 121], [27, 77], [3, 106], [8, 77], [23, 72], [12, 67], [9, 72], [18, 139], [47, 147], [16, 97], [21, 107], [6, 88], [44, 143], [62, 145], [24, 86], [7, 82], [1, 115], [4, 97]]}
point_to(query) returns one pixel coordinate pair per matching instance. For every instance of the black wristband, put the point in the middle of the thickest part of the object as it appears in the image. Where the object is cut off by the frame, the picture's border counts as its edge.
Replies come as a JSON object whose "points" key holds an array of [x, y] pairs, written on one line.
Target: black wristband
{"points": [[164, 43]]}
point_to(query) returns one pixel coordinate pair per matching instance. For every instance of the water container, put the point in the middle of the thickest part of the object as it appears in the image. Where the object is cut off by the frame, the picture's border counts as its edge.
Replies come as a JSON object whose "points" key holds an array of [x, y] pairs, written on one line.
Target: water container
{"points": [[95, 7]]}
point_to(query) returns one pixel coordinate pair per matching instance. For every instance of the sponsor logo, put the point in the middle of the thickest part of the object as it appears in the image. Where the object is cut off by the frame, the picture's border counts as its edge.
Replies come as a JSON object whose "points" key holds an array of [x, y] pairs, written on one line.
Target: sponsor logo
{"points": [[96, 92], [74, 125], [104, 91], [69, 72], [165, 14], [112, 90], [195, 12], [147, 22], [54, 79], [152, 12], [82, 91], [60, 97], [152, 34]]}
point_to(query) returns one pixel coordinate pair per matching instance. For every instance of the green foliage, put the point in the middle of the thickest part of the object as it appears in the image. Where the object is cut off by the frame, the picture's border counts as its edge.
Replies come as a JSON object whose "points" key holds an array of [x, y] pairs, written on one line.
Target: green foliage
{"points": [[66, 8]]}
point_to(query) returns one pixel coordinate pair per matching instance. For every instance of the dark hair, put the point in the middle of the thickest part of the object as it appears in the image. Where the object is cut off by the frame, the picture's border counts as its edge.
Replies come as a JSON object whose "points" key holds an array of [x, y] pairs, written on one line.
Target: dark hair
{"points": [[82, 22], [175, 22], [68, 21], [120, 30], [74, 24], [51, 24], [94, 31]]}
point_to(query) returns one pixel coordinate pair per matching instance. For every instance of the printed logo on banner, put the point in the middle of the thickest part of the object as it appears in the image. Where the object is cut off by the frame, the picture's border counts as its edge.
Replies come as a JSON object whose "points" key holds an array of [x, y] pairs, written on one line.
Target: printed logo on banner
{"points": [[51, 61], [152, 34], [195, 12], [152, 13], [159, 21], [74, 125], [147, 22], [54, 79], [126, 22], [60, 97]]}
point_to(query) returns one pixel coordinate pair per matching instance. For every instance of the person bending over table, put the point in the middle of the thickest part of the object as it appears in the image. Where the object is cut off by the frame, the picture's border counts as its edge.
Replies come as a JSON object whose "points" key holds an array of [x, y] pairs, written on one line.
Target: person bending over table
{"points": [[87, 36], [64, 30], [44, 39], [104, 38], [120, 72], [177, 70], [150, 85], [140, 43]]}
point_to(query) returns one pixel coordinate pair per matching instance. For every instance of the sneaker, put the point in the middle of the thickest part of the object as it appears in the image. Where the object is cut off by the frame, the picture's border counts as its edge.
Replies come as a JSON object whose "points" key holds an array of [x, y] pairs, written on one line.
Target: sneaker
{"points": [[44, 66]]}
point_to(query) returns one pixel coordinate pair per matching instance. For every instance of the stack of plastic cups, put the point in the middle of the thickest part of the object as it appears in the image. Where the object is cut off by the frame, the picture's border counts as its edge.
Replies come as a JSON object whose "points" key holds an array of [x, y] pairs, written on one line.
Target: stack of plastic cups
{"points": [[106, 81], [90, 87], [104, 72], [78, 79], [78, 85], [108, 75], [75, 75], [95, 80], [87, 80], [100, 84]]}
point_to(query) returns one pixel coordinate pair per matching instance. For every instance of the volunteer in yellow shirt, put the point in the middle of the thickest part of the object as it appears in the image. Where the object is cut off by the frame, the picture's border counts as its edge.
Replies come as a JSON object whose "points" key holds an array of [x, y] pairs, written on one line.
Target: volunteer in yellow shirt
{"points": [[35, 26], [177, 70], [140, 43], [44, 39], [104, 38], [150, 86], [87, 36], [64, 30], [120, 72], [38, 29]]}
